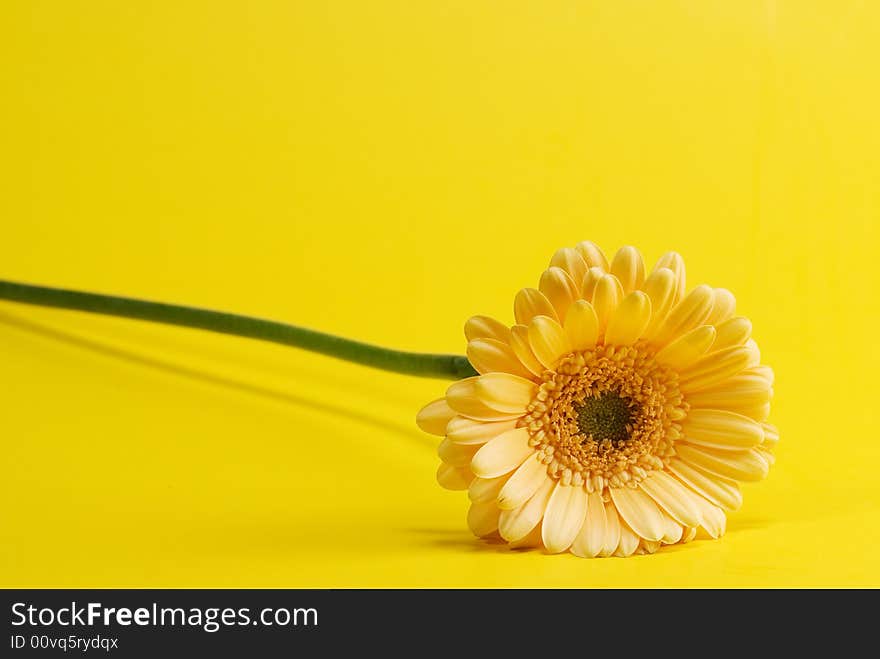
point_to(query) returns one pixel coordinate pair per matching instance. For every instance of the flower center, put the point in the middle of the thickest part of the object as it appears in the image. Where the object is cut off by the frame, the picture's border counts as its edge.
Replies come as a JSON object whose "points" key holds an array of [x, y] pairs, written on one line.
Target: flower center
{"points": [[607, 416]]}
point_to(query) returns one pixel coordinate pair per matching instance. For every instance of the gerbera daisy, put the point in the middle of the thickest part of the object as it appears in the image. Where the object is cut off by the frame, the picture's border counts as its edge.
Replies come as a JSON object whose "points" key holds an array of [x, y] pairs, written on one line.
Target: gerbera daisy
{"points": [[616, 415]]}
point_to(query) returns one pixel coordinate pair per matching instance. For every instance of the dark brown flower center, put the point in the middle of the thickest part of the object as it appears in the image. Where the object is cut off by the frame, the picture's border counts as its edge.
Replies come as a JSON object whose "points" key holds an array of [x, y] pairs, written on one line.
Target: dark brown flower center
{"points": [[607, 416]]}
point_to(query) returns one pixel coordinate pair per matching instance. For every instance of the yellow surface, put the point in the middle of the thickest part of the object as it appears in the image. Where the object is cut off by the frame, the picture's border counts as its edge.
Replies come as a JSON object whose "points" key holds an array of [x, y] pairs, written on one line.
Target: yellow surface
{"points": [[383, 170]]}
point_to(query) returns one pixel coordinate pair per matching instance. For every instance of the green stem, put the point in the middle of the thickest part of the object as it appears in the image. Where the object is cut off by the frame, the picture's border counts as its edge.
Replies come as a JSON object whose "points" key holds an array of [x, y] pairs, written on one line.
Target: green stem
{"points": [[452, 367]]}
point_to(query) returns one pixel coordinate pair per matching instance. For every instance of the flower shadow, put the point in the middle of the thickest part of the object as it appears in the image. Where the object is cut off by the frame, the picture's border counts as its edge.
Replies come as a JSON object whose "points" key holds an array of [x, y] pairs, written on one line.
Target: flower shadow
{"points": [[195, 374]]}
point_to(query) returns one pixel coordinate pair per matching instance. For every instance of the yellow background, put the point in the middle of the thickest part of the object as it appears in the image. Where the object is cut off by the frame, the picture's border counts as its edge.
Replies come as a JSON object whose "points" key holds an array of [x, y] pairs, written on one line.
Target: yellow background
{"points": [[383, 170]]}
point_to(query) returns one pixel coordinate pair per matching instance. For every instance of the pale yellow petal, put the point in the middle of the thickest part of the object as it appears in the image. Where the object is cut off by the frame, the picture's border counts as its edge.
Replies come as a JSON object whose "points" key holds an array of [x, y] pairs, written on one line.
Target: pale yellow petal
{"points": [[564, 517], [483, 490], [606, 297], [629, 268], [764, 371], [502, 454], [462, 397], [484, 327], [629, 542], [592, 254], [531, 540], [724, 307], [771, 435], [524, 482], [672, 497], [688, 348], [516, 524], [462, 430], [482, 519], [454, 478], [739, 391], [591, 279], [559, 288], [490, 356], [570, 260], [672, 530], [434, 417], [612, 530], [661, 286], [521, 348], [766, 454], [718, 366], [720, 491], [732, 332], [639, 511], [505, 392], [582, 326], [714, 520], [648, 547], [720, 429], [758, 413], [737, 465], [674, 262], [531, 302], [689, 534], [691, 312], [548, 340], [629, 319], [591, 538], [457, 455]]}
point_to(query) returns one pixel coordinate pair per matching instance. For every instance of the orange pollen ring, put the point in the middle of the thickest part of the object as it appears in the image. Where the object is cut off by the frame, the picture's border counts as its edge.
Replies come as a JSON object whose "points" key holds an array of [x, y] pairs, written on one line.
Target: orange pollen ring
{"points": [[605, 417]]}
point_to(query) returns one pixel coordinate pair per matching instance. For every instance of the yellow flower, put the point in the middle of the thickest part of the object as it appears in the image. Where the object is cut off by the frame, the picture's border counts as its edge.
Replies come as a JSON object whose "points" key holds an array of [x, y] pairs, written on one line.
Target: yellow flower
{"points": [[617, 415]]}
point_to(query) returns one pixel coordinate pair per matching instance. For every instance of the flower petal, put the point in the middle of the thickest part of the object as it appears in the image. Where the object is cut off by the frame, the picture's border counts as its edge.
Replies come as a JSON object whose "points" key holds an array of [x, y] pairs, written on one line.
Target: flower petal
{"points": [[462, 430], [581, 326], [462, 397], [732, 332], [530, 302], [548, 340], [570, 260], [502, 454], [771, 435], [491, 355], [524, 482], [675, 263], [516, 524], [434, 417], [606, 297], [673, 531], [629, 319], [672, 497], [688, 348], [739, 391], [457, 455], [718, 366], [592, 254], [629, 267], [520, 345], [482, 490], [714, 520], [629, 542], [724, 307], [738, 465], [454, 478], [559, 288], [591, 279], [720, 491], [564, 517], [720, 429], [639, 511], [691, 312], [612, 530], [591, 537], [482, 519], [484, 327], [505, 392]]}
